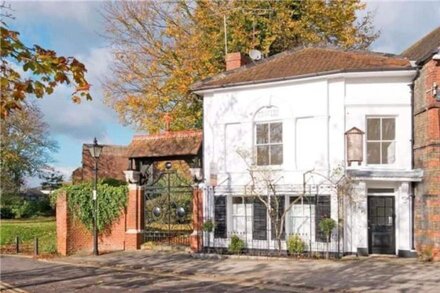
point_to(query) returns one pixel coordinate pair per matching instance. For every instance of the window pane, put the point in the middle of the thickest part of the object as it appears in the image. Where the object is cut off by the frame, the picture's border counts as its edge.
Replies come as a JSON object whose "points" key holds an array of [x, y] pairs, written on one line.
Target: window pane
{"points": [[262, 133], [373, 129], [276, 154], [388, 156], [373, 153], [237, 200], [262, 155], [220, 216], [276, 132], [388, 129]]}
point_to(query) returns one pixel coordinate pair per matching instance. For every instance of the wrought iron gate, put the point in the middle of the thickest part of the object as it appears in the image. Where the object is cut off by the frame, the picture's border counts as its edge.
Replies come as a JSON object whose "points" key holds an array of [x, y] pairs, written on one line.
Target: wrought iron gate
{"points": [[168, 209]]}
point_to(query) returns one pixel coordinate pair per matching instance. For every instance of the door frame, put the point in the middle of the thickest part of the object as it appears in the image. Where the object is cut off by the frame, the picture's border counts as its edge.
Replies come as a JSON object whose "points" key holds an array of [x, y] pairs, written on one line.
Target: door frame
{"points": [[394, 230]]}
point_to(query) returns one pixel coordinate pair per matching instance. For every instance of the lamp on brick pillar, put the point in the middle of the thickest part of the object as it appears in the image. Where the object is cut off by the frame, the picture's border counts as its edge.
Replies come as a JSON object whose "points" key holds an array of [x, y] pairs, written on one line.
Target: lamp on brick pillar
{"points": [[95, 152]]}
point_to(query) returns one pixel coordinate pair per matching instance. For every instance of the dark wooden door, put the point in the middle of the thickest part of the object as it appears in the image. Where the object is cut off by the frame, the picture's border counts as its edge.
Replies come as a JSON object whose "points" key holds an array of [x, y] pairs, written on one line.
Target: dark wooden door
{"points": [[381, 227]]}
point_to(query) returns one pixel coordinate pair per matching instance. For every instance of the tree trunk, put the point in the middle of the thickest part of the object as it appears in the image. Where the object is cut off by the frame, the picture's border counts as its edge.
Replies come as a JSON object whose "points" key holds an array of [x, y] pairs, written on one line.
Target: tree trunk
{"points": [[327, 253]]}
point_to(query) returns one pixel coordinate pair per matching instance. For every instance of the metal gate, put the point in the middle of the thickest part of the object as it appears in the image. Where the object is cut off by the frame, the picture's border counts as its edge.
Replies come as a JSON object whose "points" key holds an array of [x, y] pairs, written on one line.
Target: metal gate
{"points": [[168, 209]]}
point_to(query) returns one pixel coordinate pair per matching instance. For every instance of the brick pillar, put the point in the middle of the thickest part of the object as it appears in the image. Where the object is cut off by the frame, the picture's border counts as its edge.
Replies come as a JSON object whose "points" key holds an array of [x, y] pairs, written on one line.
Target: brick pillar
{"points": [[62, 223], [134, 234], [197, 219]]}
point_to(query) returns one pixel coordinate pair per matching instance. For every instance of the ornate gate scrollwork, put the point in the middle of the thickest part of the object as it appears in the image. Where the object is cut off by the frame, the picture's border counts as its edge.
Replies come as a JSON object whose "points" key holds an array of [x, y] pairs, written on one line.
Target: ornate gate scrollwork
{"points": [[168, 206]]}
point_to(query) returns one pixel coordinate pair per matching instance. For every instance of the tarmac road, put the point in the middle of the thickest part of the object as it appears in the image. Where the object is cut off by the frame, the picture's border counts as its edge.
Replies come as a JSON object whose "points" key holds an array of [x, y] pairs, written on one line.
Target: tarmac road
{"points": [[20, 274]]}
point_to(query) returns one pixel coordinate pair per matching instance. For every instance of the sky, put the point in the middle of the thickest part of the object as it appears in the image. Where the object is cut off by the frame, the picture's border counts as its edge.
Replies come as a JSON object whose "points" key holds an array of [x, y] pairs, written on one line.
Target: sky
{"points": [[76, 29]]}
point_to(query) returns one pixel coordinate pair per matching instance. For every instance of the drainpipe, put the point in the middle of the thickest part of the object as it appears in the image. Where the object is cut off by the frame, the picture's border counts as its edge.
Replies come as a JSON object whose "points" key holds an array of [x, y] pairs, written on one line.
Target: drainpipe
{"points": [[412, 187]]}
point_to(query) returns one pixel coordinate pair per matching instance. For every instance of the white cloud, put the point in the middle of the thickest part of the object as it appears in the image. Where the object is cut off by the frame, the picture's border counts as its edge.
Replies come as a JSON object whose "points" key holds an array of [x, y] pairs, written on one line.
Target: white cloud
{"points": [[79, 11], [403, 22], [88, 119]]}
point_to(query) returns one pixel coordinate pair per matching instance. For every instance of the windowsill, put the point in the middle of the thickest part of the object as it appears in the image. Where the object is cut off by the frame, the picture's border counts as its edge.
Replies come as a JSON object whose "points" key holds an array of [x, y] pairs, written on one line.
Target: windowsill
{"points": [[375, 166], [269, 167]]}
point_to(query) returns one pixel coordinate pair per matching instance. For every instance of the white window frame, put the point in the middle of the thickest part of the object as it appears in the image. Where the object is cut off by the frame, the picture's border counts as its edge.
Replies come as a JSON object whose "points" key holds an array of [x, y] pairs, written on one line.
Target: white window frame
{"points": [[256, 145], [381, 117], [246, 216]]}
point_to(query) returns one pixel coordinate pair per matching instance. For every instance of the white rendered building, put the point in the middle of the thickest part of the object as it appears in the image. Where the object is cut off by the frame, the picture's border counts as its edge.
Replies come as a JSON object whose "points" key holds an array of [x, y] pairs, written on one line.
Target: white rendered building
{"points": [[290, 114]]}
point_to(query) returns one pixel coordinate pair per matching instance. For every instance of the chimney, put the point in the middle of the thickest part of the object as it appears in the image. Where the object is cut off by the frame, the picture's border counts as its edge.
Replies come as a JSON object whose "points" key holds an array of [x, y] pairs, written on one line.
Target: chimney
{"points": [[235, 60], [167, 118]]}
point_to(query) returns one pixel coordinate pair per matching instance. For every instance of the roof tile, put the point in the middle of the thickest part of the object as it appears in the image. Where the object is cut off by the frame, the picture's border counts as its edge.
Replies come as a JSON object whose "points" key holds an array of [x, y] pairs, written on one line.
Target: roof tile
{"points": [[424, 48], [304, 62], [168, 144]]}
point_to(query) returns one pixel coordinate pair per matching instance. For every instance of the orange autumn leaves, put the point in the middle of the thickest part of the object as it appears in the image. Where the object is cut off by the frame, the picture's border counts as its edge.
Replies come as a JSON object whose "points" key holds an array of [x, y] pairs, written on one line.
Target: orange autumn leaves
{"points": [[161, 48]]}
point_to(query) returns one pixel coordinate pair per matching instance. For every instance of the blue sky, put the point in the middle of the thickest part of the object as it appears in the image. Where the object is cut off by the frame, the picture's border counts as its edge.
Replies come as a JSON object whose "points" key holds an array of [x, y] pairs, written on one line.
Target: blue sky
{"points": [[75, 29]]}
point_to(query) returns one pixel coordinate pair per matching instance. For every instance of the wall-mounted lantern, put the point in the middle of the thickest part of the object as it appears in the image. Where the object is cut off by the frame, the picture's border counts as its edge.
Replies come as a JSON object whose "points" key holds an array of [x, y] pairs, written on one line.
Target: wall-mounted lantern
{"points": [[354, 141]]}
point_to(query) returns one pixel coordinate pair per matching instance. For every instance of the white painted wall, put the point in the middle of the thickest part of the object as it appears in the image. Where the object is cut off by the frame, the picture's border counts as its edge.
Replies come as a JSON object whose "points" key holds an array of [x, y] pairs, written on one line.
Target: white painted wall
{"points": [[315, 113]]}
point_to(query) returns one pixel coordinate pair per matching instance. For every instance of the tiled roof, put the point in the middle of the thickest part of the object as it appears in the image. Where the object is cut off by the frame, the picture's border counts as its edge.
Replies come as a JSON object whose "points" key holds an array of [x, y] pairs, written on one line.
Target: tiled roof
{"points": [[424, 48], [168, 144], [302, 63]]}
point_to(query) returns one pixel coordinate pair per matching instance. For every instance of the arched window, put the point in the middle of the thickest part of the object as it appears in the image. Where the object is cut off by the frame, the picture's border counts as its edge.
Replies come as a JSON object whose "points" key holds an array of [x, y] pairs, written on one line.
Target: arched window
{"points": [[268, 139]]}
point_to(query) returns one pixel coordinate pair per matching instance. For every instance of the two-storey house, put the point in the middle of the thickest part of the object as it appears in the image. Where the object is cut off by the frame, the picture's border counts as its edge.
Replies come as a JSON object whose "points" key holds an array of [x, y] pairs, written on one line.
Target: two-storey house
{"points": [[291, 115]]}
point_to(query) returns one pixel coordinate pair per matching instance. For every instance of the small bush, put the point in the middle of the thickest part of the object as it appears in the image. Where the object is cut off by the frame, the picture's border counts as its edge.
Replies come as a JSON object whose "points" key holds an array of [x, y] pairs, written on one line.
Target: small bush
{"points": [[208, 226], [236, 246], [295, 244], [327, 225], [6, 213]]}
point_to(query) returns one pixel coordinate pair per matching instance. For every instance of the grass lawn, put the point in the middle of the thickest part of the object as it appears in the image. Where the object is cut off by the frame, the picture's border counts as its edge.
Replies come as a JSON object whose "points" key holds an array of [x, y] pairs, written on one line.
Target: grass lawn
{"points": [[27, 230]]}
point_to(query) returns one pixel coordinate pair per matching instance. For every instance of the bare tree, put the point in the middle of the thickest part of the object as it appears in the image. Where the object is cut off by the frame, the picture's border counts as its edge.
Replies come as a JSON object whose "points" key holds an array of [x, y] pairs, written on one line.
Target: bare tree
{"points": [[263, 186]]}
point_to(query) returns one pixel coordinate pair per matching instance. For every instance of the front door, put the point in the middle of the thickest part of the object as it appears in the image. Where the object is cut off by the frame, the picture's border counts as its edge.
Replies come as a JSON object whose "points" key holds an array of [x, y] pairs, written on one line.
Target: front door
{"points": [[381, 216]]}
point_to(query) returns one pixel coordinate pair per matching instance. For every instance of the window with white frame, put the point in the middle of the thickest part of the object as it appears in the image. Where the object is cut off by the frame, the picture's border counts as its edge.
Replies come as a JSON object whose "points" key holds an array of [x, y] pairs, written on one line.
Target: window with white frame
{"points": [[302, 210], [269, 143], [242, 216], [381, 145], [306, 213]]}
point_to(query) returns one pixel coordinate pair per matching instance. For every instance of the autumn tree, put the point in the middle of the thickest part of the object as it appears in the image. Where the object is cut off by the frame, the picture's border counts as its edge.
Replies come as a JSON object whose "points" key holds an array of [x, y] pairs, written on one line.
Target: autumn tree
{"points": [[33, 70], [161, 48], [25, 147]]}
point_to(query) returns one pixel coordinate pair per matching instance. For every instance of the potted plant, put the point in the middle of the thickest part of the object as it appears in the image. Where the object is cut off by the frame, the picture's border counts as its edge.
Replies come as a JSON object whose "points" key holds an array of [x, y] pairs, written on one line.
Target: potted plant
{"points": [[208, 226]]}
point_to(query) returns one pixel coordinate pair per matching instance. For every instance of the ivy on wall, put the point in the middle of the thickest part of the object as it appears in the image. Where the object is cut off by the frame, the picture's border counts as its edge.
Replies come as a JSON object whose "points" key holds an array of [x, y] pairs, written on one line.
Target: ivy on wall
{"points": [[111, 196]]}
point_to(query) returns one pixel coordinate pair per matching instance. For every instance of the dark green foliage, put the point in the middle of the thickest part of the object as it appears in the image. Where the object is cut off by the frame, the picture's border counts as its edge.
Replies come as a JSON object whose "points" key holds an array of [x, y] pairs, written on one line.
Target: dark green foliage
{"points": [[236, 246], [15, 207], [111, 197], [51, 180]]}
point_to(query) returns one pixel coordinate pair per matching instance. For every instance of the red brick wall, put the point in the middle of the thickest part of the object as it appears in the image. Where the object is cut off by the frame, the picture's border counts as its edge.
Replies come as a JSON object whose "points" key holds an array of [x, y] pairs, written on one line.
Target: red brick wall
{"points": [[197, 221], [73, 237], [111, 164], [427, 157], [235, 60]]}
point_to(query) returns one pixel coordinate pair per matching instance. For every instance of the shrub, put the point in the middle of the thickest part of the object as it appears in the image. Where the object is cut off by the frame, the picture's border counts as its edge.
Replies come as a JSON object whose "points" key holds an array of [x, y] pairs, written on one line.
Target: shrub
{"points": [[295, 244], [14, 206], [208, 226], [236, 246], [6, 213], [327, 225]]}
